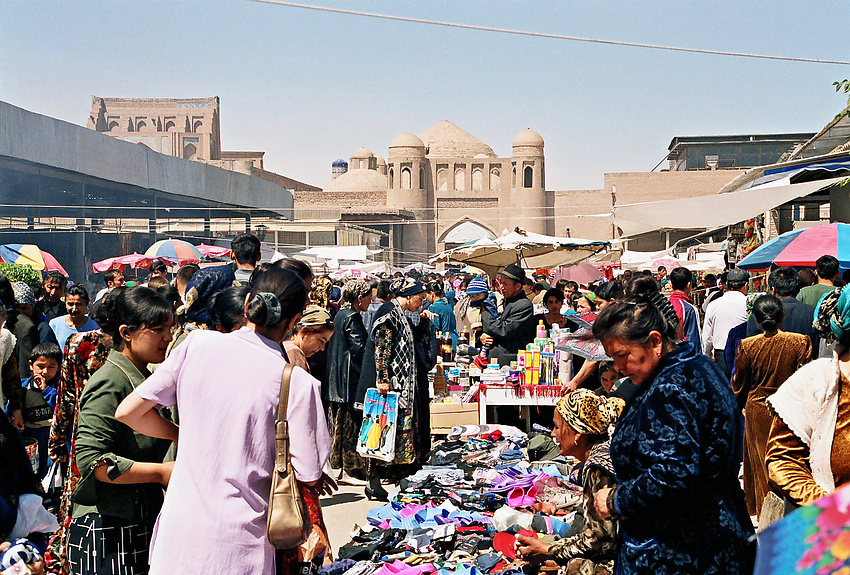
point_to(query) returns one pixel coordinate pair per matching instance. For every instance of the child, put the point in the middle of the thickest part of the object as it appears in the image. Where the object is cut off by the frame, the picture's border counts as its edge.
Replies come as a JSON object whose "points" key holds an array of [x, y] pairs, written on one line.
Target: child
{"points": [[40, 398]]}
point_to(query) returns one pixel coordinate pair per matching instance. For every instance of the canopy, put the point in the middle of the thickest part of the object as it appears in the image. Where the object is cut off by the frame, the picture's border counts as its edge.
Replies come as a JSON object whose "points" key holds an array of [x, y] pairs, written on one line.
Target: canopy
{"points": [[354, 253], [527, 249], [209, 251], [30, 255], [133, 260], [583, 273], [713, 211], [352, 273], [175, 250], [802, 248]]}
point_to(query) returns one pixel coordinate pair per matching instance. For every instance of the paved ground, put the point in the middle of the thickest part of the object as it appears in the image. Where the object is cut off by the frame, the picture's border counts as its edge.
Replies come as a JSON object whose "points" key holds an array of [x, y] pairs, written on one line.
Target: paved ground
{"points": [[347, 507]]}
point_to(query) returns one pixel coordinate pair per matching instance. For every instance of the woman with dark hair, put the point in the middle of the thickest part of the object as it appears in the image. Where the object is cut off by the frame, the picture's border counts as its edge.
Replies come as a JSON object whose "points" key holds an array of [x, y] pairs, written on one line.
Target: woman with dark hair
{"points": [[676, 452], [227, 388], [607, 293], [227, 308], [390, 364], [301, 269], [119, 492], [345, 351], [77, 320], [310, 336], [763, 363], [553, 300], [195, 312], [582, 419]]}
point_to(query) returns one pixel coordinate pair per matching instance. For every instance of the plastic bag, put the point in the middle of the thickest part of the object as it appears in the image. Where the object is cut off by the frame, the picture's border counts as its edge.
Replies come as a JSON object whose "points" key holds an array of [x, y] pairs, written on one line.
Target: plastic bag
{"points": [[377, 434]]}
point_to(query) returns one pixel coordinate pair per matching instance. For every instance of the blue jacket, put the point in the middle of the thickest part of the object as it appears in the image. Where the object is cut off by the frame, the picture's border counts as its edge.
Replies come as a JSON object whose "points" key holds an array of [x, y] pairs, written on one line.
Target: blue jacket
{"points": [[445, 320], [677, 450]]}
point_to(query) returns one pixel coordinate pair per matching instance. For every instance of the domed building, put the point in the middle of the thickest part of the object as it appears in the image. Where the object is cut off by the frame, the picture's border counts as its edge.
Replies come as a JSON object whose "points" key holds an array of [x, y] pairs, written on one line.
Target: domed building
{"points": [[444, 187]]}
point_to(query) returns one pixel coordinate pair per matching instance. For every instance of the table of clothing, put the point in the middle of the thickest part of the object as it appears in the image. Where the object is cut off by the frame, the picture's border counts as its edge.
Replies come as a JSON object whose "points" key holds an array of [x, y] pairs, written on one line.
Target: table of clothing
{"points": [[460, 513]]}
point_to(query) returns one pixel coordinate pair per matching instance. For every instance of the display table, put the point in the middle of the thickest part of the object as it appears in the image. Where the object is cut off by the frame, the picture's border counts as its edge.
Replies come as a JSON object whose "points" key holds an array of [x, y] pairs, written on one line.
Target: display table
{"points": [[523, 396]]}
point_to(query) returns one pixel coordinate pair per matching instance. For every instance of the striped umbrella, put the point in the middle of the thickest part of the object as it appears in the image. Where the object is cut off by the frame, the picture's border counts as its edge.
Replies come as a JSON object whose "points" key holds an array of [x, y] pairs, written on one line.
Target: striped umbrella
{"points": [[175, 250], [30, 255], [802, 248]]}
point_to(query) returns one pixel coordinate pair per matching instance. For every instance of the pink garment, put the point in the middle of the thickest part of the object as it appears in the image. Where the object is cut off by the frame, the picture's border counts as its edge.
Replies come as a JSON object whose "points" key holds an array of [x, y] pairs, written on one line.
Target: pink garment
{"points": [[226, 387]]}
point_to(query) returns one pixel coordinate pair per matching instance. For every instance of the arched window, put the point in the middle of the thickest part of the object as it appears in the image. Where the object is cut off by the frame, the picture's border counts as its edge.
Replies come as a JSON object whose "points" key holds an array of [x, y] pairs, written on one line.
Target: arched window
{"points": [[460, 181], [405, 179], [190, 152], [421, 178], [140, 125], [362, 164], [197, 127], [527, 177], [477, 180], [169, 126], [390, 178], [513, 177], [113, 125], [443, 179], [495, 180]]}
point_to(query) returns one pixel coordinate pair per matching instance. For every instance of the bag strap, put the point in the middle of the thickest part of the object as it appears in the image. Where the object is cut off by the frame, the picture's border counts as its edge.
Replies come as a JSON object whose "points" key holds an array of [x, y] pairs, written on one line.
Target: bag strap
{"points": [[283, 402]]}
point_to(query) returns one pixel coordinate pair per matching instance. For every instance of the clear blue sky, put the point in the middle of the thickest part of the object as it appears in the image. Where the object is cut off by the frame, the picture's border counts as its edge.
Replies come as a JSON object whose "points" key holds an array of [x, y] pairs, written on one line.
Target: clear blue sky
{"points": [[309, 87]]}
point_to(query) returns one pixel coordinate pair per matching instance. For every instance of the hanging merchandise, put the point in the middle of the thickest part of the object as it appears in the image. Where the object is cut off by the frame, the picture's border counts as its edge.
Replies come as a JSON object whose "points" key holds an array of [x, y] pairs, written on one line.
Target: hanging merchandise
{"points": [[377, 434]]}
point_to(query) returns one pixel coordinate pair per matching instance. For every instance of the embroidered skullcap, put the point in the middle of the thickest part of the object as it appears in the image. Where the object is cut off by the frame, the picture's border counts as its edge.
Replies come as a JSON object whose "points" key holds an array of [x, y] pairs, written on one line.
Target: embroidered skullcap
{"points": [[406, 287], [315, 315], [832, 315], [23, 294], [476, 286], [589, 413], [355, 288]]}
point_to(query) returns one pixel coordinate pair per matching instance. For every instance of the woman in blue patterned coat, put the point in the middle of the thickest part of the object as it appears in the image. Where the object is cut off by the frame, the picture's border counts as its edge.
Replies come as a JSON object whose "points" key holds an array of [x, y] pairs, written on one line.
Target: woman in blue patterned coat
{"points": [[676, 451]]}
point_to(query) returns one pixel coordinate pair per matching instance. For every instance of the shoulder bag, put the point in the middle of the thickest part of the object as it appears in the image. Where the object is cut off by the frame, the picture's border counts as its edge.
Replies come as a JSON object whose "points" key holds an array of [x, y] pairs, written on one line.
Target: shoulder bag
{"points": [[288, 519]]}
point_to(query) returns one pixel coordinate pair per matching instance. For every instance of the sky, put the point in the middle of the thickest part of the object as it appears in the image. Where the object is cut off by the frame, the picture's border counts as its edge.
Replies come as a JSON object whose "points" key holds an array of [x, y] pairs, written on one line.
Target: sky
{"points": [[309, 87]]}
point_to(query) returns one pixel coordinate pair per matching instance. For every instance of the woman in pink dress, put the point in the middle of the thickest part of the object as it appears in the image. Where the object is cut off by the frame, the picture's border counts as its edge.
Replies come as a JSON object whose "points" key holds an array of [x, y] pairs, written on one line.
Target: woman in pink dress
{"points": [[226, 387]]}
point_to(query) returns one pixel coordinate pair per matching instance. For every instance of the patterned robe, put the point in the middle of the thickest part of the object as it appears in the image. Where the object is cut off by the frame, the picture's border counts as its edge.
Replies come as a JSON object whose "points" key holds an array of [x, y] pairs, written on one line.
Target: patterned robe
{"points": [[677, 450], [84, 354]]}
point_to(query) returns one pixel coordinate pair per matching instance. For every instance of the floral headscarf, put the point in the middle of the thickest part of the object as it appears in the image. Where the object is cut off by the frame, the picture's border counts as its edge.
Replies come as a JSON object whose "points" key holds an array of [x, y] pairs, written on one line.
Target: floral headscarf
{"points": [[200, 289], [353, 289], [832, 315]]}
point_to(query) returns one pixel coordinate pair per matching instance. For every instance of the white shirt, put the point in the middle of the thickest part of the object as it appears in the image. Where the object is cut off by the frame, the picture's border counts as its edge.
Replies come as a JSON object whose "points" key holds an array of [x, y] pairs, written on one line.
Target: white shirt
{"points": [[724, 313]]}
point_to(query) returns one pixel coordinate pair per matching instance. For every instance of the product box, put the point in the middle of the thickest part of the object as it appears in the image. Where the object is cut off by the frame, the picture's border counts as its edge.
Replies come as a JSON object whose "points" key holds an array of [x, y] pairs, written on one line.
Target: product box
{"points": [[444, 416]]}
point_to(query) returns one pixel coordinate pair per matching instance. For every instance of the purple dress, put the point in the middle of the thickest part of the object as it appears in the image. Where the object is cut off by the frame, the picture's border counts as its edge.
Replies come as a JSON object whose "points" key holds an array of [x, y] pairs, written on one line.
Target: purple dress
{"points": [[226, 387]]}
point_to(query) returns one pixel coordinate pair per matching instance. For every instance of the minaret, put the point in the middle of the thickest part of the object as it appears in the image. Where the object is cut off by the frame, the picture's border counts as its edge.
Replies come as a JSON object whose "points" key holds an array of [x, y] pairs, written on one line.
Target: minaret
{"points": [[528, 183], [410, 189]]}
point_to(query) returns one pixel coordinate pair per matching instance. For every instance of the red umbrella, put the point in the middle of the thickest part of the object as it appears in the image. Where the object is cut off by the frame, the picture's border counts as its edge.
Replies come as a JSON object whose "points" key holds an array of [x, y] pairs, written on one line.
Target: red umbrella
{"points": [[132, 260]]}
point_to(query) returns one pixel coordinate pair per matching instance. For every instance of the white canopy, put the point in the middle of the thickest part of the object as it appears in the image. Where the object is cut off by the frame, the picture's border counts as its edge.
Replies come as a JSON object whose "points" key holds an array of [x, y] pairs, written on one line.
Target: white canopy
{"points": [[354, 253], [714, 211], [528, 249]]}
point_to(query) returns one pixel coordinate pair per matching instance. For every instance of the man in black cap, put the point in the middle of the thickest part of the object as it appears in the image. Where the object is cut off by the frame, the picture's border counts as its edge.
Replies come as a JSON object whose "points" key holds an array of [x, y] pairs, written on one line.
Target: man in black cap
{"points": [[514, 328]]}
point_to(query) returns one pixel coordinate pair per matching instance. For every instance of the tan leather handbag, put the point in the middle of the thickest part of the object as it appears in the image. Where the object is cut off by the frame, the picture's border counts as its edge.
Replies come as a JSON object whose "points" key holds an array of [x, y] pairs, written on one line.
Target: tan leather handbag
{"points": [[288, 519]]}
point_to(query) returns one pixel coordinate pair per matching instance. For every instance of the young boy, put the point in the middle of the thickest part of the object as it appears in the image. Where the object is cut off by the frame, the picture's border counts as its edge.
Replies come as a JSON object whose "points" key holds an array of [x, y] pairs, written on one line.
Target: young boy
{"points": [[40, 398]]}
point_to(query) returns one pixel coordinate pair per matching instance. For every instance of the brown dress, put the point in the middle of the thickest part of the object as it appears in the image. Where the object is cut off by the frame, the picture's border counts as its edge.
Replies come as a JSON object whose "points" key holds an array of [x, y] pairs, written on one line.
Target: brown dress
{"points": [[762, 364], [788, 456]]}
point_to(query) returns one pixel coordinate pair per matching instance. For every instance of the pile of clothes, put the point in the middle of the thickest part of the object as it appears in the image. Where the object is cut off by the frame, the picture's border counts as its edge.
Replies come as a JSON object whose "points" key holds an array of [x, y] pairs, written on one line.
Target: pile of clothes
{"points": [[460, 513]]}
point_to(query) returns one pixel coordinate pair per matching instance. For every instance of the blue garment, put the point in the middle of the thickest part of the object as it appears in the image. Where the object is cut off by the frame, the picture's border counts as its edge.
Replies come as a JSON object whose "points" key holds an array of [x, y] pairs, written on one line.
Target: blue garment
{"points": [[677, 450], [445, 318], [63, 331]]}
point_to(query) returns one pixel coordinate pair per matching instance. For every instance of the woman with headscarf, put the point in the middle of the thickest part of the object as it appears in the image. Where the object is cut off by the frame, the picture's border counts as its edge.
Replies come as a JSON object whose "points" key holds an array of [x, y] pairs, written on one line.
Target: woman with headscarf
{"points": [[195, 313], [808, 450], [389, 364], [763, 363], [345, 351], [310, 336], [677, 450], [582, 419]]}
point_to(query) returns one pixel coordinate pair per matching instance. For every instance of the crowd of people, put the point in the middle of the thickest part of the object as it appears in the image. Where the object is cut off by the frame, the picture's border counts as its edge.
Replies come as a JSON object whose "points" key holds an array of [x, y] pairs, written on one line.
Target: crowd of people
{"points": [[105, 391]]}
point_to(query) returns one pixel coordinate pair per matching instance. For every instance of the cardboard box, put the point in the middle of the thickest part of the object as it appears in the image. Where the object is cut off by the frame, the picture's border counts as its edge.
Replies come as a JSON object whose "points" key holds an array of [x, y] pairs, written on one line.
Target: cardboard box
{"points": [[444, 416]]}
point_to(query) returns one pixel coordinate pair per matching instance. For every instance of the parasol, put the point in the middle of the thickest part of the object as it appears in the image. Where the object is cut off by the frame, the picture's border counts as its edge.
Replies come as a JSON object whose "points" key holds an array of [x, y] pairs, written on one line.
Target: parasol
{"points": [[133, 260], [802, 248], [209, 251], [583, 273], [30, 255], [175, 250]]}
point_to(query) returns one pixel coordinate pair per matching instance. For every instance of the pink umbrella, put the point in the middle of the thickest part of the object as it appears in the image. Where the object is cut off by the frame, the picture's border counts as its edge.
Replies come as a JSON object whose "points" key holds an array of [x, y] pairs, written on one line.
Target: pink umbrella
{"points": [[583, 273], [668, 263], [132, 260], [209, 251]]}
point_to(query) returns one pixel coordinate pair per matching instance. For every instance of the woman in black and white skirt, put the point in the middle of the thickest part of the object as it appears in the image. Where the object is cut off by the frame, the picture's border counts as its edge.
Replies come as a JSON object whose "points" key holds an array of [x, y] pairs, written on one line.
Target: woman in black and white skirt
{"points": [[120, 491]]}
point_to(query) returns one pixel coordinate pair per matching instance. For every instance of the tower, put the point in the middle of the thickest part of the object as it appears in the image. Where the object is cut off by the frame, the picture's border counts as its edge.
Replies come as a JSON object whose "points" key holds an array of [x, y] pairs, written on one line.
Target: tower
{"points": [[528, 183], [409, 188]]}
